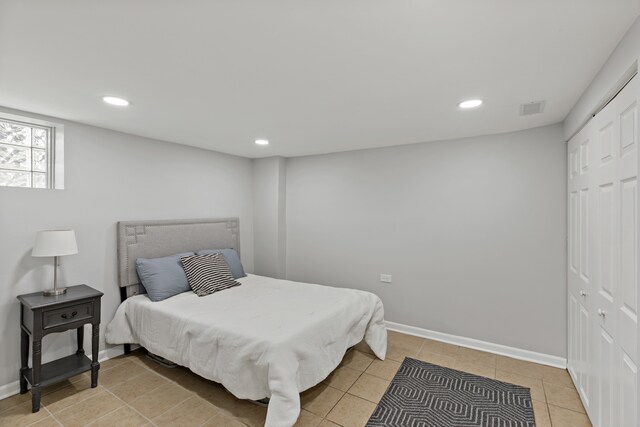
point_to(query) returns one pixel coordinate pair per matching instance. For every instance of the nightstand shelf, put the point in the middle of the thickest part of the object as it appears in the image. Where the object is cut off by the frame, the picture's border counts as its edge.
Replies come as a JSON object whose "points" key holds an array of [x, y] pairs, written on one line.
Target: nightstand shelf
{"points": [[42, 315], [61, 369]]}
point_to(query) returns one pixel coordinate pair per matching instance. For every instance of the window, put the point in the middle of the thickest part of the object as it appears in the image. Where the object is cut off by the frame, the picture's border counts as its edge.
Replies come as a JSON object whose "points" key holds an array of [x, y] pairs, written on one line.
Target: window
{"points": [[27, 152]]}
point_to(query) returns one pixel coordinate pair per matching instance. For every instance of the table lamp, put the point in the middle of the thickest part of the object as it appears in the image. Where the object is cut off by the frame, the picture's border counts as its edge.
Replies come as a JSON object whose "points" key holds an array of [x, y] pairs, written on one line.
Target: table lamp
{"points": [[55, 243]]}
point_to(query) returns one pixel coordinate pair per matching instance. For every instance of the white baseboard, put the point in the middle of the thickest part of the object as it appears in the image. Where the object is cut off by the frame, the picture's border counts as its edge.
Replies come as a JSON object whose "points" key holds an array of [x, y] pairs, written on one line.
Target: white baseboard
{"points": [[10, 389], [503, 350]]}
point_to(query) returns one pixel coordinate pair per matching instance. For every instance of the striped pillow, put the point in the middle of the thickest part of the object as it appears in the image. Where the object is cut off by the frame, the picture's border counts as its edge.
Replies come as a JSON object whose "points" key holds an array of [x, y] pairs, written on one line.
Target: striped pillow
{"points": [[207, 273]]}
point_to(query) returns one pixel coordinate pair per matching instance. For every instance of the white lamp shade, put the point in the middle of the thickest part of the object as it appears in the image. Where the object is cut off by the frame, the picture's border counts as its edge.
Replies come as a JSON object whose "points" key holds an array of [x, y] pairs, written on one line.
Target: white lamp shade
{"points": [[55, 243]]}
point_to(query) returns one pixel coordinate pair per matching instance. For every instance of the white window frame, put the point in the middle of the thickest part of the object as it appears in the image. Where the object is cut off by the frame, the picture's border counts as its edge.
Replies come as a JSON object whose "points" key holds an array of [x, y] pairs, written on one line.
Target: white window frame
{"points": [[55, 148]]}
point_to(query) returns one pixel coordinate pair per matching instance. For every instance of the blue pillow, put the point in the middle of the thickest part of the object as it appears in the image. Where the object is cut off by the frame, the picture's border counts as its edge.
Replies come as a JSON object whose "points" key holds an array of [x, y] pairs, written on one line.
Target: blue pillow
{"points": [[163, 277], [232, 258]]}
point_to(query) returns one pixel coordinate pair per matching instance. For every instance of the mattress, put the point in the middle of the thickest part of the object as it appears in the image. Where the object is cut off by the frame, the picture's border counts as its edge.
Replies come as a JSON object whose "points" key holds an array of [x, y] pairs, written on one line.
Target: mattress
{"points": [[266, 338]]}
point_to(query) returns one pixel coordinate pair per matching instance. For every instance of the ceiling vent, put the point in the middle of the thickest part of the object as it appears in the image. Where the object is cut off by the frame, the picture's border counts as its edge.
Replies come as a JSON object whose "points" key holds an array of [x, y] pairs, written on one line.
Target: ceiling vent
{"points": [[531, 108]]}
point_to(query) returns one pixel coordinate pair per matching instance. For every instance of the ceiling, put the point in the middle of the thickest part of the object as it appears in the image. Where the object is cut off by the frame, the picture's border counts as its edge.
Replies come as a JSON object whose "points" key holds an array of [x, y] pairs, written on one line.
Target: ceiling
{"points": [[311, 76]]}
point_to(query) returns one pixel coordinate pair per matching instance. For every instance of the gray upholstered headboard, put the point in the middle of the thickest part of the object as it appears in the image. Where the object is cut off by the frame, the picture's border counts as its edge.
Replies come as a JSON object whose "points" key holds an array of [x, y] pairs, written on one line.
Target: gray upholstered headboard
{"points": [[154, 239]]}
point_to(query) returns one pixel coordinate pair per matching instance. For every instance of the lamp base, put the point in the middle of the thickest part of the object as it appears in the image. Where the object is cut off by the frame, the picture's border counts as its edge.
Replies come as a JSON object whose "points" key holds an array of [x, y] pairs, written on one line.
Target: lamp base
{"points": [[54, 292]]}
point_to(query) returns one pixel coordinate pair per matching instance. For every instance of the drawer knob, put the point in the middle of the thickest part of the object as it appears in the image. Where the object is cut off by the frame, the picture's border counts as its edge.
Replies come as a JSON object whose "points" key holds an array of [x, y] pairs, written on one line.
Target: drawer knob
{"points": [[73, 314]]}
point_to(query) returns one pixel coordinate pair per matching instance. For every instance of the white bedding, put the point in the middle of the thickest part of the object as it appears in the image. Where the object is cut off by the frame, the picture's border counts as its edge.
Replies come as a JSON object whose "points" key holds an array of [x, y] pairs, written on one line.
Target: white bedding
{"points": [[267, 338]]}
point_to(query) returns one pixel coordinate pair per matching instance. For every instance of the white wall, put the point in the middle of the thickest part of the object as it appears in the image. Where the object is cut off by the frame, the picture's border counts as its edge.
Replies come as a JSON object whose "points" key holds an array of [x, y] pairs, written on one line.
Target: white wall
{"points": [[110, 176], [607, 81], [473, 232], [269, 227]]}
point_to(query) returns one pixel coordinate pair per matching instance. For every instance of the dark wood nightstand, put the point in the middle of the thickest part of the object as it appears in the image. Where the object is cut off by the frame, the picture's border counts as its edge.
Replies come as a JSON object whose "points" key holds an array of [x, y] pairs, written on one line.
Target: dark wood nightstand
{"points": [[42, 315]]}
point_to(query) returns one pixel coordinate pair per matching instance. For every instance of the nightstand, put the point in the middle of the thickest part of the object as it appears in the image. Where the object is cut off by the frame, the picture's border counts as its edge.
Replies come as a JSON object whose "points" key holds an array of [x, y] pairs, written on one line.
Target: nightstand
{"points": [[42, 315]]}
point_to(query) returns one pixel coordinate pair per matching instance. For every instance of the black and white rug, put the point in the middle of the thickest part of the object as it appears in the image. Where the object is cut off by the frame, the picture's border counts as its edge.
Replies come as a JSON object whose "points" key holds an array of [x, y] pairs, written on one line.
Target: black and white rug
{"points": [[426, 395]]}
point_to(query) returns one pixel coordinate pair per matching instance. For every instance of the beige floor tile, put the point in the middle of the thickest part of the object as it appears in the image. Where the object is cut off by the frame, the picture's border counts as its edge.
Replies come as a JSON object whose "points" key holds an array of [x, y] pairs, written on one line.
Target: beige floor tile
{"points": [[137, 386], [320, 399], [85, 376], [46, 422], [435, 358], [521, 367], [123, 417], [192, 412], [88, 410], [439, 347], [21, 415], [399, 338], [222, 420], [217, 396], [357, 360], [351, 411], [475, 368], [70, 395], [307, 419], [476, 356], [541, 413], [160, 399], [561, 417], [108, 364], [142, 360], [385, 369], [246, 412], [14, 400], [182, 376], [363, 347], [62, 384], [327, 423], [535, 385], [118, 374], [557, 376], [342, 378], [369, 387], [564, 397], [400, 346]]}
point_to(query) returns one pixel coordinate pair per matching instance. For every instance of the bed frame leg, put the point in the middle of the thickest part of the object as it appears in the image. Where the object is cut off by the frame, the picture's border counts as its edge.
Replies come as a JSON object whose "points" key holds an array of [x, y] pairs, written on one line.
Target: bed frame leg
{"points": [[127, 348]]}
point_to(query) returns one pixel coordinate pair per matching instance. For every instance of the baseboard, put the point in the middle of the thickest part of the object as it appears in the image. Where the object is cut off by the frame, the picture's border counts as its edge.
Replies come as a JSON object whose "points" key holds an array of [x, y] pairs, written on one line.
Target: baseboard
{"points": [[503, 350], [10, 389]]}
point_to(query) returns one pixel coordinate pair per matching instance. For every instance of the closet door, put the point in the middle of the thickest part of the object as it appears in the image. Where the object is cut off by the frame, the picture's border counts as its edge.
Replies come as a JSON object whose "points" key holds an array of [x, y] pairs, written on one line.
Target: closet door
{"points": [[607, 132], [609, 386], [625, 309], [580, 222]]}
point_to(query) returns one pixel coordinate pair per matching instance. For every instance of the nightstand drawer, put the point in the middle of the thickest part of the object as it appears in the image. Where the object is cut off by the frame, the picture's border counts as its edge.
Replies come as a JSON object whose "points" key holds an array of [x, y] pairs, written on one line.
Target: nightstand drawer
{"points": [[70, 314]]}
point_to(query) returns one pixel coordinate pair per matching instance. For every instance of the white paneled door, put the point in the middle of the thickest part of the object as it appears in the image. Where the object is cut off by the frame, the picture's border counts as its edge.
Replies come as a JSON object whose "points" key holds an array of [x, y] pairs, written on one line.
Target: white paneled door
{"points": [[603, 262], [579, 274]]}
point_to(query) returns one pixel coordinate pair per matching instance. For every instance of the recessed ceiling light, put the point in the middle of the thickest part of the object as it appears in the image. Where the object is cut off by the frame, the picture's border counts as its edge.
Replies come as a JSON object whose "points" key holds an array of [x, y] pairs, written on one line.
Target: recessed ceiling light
{"points": [[114, 100], [471, 103], [262, 142]]}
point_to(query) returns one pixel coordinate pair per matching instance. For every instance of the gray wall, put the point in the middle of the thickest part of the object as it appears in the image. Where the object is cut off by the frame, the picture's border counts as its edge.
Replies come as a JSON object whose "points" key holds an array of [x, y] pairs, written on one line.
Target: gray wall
{"points": [[473, 232], [110, 176], [607, 82], [269, 228]]}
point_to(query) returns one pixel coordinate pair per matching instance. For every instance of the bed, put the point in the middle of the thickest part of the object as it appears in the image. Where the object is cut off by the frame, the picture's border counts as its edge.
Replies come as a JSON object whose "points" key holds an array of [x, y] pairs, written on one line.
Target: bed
{"points": [[267, 338]]}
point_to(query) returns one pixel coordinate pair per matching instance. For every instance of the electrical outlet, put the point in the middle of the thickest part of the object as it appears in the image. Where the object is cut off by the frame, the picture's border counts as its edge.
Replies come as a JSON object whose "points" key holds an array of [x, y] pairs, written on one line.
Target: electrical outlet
{"points": [[385, 278]]}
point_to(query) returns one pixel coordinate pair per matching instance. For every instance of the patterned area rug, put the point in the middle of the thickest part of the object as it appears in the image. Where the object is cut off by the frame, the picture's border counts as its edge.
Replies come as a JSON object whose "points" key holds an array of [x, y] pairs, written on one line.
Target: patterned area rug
{"points": [[426, 395]]}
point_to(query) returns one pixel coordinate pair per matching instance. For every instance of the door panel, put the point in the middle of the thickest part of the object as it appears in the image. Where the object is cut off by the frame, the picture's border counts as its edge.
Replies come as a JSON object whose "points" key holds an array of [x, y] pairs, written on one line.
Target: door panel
{"points": [[606, 381], [629, 392], [603, 258], [573, 334], [584, 371]]}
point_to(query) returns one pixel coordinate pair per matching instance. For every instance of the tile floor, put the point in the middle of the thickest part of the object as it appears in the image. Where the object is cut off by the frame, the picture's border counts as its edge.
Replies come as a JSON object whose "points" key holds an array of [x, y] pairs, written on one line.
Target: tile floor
{"points": [[135, 391]]}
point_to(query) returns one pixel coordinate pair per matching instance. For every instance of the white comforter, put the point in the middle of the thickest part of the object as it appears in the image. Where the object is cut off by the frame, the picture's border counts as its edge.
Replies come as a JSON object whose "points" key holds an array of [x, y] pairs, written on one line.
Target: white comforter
{"points": [[267, 338]]}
